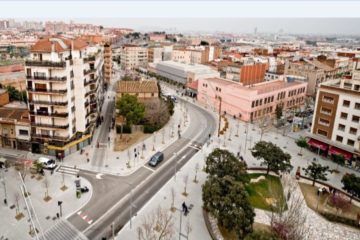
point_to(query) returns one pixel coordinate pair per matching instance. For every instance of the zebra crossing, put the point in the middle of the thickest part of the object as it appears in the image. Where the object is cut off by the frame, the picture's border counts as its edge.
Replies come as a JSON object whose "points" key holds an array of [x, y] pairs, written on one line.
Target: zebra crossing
{"points": [[68, 170], [64, 230]]}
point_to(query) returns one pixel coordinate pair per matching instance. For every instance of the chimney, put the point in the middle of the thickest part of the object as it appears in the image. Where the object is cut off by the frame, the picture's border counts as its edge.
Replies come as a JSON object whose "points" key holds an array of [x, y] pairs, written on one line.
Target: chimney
{"points": [[52, 47]]}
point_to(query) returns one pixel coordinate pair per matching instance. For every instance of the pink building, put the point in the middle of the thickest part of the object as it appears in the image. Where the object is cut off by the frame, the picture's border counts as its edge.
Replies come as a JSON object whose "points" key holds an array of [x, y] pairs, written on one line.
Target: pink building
{"points": [[251, 102]]}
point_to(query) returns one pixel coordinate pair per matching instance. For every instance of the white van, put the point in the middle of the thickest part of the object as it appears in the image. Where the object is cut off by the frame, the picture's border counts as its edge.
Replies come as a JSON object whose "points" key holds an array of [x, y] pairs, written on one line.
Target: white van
{"points": [[47, 163]]}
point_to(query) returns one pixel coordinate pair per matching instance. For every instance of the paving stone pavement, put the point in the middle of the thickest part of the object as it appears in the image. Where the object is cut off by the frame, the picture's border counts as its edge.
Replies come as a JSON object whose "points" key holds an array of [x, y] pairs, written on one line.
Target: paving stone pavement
{"points": [[319, 227]]}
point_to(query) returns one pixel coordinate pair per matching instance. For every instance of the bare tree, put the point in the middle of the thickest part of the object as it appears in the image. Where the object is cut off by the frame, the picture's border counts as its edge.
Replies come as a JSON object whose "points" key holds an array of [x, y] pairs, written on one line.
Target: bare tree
{"points": [[288, 219], [46, 184], [339, 201], [17, 199], [172, 199], [185, 180], [197, 167], [158, 225]]}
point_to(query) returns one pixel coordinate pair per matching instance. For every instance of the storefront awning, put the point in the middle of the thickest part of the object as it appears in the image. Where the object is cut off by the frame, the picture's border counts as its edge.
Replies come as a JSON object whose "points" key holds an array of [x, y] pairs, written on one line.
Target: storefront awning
{"points": [[318, 144], [338, 151]]}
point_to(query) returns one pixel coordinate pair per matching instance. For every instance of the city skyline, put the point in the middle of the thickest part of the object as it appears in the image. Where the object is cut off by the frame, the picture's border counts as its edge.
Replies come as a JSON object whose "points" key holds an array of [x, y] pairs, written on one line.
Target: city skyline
{"points": [[324, 26]]}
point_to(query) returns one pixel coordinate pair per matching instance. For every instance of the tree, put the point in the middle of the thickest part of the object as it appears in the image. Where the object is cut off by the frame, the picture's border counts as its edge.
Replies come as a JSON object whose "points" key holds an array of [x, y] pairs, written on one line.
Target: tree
{"points": [[131, 109], [16, 95], [185, 180], [339, 201], [301, 143], [316, 171], [261, 235], [172, 199], [157, 225], [273, 157], [221, 163], [279, 111], [351, 185], [228, 201], [46, 183], [197, 167], [289, 222]]}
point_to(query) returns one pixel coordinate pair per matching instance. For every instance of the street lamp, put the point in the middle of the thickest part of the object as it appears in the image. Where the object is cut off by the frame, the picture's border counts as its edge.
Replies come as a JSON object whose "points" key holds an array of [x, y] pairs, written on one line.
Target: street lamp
{"points": [[60, 207]]}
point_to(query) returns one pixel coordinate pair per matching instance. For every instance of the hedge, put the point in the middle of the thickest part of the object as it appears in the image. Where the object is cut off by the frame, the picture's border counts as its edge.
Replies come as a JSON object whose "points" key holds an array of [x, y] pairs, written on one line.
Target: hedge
{"points": [[338, 219], [148, 128], [126, 129]]}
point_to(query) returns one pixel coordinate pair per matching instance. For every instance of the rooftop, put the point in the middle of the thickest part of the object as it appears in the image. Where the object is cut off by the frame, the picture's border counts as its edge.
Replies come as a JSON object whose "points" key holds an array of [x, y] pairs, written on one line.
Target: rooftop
{"points": [[146, 86], [11, 114], [196, 68], [61, 44]]}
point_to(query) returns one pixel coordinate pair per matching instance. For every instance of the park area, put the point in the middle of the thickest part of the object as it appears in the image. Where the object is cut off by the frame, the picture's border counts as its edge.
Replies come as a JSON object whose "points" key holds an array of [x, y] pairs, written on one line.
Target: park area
{"points": [[334, 207], [265, 192]]}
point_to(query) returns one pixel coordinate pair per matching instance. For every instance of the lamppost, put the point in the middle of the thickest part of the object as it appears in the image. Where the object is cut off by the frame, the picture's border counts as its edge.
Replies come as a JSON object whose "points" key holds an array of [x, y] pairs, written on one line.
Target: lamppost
{"points": [[60, 207], [3, 181]]}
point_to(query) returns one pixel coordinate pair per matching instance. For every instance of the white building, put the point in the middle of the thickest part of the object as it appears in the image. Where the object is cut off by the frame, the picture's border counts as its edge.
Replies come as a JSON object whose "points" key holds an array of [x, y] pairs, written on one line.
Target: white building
{"points": [[184, 73], [65, 92], [336, 122], [133, 56]]}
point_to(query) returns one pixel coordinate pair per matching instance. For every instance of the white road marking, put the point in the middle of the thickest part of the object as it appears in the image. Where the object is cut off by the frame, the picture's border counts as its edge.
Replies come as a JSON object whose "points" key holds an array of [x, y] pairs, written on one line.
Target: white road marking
{"points": [[79, 212], [149, 168], [99, 176]]}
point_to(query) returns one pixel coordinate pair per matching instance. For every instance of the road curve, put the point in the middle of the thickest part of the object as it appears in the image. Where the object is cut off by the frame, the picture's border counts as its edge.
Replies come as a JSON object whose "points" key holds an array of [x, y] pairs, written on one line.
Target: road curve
{"points": [[111, 195]]}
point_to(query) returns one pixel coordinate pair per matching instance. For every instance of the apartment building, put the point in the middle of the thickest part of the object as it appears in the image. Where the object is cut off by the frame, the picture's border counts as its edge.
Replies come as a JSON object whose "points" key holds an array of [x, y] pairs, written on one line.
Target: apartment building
{"points": [[14, 128], [133, 56], [336, 122], [65, 94], [314, 71], [188, 56], [155, 54], [251, 103], [107, 63]]}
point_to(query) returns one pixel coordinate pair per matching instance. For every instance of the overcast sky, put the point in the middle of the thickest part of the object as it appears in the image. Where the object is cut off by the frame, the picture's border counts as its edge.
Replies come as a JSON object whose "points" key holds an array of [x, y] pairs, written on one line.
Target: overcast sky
{"points": [[236, 25]]}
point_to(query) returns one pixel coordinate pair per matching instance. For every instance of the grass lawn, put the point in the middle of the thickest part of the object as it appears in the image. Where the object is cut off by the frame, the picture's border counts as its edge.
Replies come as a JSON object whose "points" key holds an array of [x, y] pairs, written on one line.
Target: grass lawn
{"points": [[347, 216], [266, 193]]}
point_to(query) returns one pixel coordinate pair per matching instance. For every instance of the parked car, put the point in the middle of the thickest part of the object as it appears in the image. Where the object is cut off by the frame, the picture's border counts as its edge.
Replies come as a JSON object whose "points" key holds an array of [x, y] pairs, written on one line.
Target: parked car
{"points": [[47, 162], [156, 159]]}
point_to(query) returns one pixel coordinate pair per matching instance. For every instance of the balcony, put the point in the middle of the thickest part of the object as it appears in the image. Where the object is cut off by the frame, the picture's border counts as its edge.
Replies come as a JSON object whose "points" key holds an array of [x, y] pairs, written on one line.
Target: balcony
{"points": [[91, 112], [56, 114], [86, 104], [88, 71], [50, 137], [90, 81], [50, 125], [44, 90], [89, 59], [55, 79], [91, 92], [65, 103], [45, 64]]}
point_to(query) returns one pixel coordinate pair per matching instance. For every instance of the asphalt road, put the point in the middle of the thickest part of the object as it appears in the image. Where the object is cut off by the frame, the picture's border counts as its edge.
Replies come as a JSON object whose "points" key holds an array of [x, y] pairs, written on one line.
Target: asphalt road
{"points": [[112, 195]]}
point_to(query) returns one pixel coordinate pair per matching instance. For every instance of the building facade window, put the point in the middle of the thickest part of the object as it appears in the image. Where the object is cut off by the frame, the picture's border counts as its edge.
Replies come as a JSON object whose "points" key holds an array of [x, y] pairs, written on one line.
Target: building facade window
{"points": [[339, 138], [357, 106], [353, 131], [350, 142], [322, 132], [355, 118], [341, 127], [346, 103], [343, 115]]}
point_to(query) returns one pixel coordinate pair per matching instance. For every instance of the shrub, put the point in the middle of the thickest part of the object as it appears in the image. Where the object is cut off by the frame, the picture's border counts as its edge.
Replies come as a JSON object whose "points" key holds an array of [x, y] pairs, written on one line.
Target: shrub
{"points": [[126, 129], [148, 128], [338, 219]]}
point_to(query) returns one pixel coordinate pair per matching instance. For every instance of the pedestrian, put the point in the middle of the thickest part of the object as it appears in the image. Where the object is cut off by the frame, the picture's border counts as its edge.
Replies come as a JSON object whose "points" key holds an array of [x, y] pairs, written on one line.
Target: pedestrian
{"points": [[88, 160], [183, 207], [52, 171]]}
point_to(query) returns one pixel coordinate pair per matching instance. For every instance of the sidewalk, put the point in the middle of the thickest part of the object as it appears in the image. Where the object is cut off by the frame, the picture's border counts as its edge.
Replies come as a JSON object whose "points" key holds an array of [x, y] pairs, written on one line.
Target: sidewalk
{"points": [[46, 211], [163, 198], [116, 162]]}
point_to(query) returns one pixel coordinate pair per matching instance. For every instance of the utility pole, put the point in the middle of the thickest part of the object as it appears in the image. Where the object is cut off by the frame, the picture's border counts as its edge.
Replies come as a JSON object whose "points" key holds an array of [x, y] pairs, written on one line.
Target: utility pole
{"points": [[219, 115]]}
